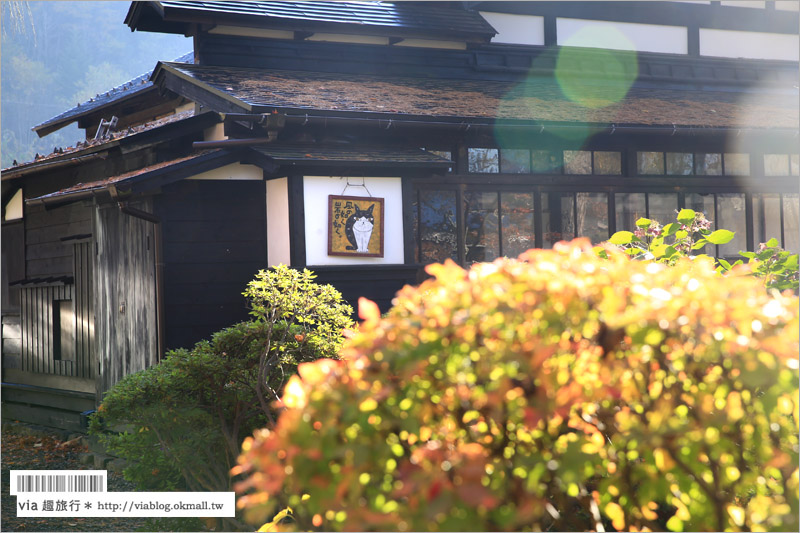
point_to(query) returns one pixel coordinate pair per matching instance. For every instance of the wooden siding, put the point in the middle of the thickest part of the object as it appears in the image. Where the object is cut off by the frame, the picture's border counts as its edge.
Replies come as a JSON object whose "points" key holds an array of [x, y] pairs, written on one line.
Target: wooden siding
{"points": [[214, 239], [11, 341], [378, 283], [124, 270], [45, 253], [38, 330]]}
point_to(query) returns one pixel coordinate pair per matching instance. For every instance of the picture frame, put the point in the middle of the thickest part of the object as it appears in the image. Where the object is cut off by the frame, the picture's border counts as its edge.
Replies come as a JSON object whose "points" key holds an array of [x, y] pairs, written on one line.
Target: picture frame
{"points": [[355, 226]]}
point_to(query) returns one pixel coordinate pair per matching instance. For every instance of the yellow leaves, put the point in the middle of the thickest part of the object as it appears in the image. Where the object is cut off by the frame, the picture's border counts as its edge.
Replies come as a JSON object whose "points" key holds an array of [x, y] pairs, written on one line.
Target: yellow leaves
{"points": [[617, 516], [663, 459], [273, 525], [369, 404], [294, 394]]}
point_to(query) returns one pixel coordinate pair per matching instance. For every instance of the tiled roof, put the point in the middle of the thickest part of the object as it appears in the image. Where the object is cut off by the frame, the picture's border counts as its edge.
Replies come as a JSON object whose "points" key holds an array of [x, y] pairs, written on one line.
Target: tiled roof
{"points": [[417, 17], [120, 178], [91, 145], [322, 154], [536, 99], [128, 89]]}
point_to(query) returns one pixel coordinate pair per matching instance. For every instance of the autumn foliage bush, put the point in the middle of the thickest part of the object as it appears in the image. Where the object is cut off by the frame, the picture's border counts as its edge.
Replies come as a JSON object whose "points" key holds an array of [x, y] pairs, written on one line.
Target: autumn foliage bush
{"points": [[559, 391]]}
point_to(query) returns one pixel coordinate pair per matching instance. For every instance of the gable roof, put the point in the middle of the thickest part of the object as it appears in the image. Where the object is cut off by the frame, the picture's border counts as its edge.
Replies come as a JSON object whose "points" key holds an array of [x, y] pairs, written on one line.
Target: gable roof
{"points": [[536, 99], [154, 131], [131, 88], [415, 19]]}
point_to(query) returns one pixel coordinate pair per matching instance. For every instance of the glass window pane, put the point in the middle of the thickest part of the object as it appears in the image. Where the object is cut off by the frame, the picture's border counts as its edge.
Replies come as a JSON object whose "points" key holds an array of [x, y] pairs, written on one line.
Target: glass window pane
{"points": [[737, 164], [607, 163], [577, 162], [630, 208], [544, 162], [791, 224], [592, 215], [481, 237], [776, 164], [709, 164], [794, 165], [767, 217], [731, 216], [437, 226], [679, 163], [517, 222], [650, 162], [483, 160], [704, 203], [557, 218], [515, 161], [662, 207]]}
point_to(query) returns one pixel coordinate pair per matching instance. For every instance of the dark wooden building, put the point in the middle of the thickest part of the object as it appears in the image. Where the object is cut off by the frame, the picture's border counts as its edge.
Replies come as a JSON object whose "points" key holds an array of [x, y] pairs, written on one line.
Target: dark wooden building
{"points": [[473, 130]]}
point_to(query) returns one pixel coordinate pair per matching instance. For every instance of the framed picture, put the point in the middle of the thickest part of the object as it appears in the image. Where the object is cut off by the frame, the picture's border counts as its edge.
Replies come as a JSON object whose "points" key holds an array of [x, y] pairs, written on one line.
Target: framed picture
{"points": [[355, 226]]}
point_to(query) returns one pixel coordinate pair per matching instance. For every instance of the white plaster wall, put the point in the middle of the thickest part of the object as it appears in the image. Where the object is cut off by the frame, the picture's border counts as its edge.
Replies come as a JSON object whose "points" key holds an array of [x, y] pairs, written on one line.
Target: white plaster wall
{"points": [[787, 5], [278, 222], [14, 207], [749, 44], [744, 3], [316, 190], [215, 133], [516, 29], [430, 43], [342, 38], [622, 36], [234, 171]]}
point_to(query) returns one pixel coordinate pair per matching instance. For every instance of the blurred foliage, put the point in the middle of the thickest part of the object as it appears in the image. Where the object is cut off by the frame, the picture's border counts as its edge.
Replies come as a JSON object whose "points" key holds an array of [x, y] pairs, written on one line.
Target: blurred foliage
{"points": [[180, 423], [690, 234], [56, 54], [558, 391]]}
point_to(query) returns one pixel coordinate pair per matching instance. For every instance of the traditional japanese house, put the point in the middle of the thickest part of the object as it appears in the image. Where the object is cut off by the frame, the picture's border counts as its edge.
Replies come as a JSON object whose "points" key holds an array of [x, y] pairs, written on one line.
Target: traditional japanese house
{"points": [[365, 139]]}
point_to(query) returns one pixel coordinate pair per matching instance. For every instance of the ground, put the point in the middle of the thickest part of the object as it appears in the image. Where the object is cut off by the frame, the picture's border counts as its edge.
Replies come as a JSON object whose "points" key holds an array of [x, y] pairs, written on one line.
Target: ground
{"points": [[26, 449]]}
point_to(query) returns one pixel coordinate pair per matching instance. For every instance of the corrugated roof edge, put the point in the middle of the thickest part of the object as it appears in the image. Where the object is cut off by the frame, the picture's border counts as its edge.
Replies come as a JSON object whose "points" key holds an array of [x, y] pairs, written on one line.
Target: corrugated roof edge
{"points": [[119, 93]]}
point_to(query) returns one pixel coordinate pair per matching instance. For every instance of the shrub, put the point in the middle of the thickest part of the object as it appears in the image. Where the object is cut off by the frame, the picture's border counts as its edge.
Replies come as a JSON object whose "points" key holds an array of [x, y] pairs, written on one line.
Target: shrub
{"points": [[690, 233], [184, 419], [559, 391]]}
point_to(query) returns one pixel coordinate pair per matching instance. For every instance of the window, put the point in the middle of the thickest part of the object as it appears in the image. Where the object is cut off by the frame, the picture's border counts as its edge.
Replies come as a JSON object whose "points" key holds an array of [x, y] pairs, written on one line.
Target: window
{"points": [[588, 162], [63, 330], [737, 164], [781, 165], [726, 211], [515, 161], [656, 206], [776, 216], [648, 163], [442, 153], [569, 215], [483, 160], [708, 164], [679, 163]]}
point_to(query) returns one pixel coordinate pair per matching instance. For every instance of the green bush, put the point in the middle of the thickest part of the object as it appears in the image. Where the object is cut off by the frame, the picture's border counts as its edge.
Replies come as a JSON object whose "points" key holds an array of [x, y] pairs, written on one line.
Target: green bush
{"points": [[689, 235], [560, 391], [181, 422]]}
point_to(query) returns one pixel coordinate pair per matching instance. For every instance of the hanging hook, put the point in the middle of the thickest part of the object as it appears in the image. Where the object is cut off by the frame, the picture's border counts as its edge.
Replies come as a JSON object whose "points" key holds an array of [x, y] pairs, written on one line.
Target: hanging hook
{"points": [[305, 121]]}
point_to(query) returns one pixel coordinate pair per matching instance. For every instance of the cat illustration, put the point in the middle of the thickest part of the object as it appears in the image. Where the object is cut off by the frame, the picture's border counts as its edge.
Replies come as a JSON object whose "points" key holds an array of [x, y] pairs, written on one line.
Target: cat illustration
{"points": [[358, 229]]}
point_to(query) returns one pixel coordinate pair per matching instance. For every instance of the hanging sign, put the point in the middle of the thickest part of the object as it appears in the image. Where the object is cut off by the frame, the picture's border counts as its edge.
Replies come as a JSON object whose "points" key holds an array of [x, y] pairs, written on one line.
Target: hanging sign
{"points": [[355, 226]]}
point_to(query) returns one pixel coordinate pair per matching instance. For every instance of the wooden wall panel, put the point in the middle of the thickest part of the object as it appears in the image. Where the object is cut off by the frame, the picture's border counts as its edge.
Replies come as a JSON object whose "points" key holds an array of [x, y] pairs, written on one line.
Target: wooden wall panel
{"points": [[46, 254], [124, 271], [37, 331], [214, 242]]}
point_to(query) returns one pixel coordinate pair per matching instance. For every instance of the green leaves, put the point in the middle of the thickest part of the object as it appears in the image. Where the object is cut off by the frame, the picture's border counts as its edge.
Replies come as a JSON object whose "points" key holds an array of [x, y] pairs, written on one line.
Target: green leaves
{"points": [[721, 236], [622, 237], [686, 216]]}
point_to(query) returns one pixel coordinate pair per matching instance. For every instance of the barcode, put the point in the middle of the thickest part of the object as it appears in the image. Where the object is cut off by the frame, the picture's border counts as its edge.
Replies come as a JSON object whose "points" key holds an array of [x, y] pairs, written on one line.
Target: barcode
{"points": [[23, 481]]}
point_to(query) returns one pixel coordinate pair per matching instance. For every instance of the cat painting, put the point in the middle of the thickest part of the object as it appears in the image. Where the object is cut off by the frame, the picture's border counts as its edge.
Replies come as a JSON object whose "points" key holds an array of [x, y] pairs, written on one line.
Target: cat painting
{"points": [[358, 229]]}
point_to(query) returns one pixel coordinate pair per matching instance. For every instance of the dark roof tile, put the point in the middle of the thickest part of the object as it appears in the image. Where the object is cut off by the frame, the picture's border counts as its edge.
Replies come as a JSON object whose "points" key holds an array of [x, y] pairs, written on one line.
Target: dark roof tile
{"points": [[435, 20]]}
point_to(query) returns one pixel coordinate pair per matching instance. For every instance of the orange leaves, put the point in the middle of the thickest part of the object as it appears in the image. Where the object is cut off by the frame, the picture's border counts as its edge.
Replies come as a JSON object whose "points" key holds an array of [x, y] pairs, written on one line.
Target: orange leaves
{"points": [[368, 310], [516, 385]]}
